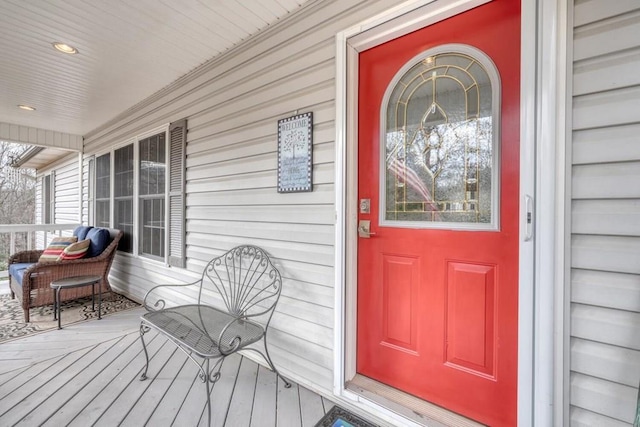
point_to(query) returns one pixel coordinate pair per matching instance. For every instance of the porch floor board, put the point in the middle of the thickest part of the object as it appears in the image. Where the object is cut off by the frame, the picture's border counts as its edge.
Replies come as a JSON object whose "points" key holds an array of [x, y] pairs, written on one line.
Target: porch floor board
{"points": [[88, 374]]}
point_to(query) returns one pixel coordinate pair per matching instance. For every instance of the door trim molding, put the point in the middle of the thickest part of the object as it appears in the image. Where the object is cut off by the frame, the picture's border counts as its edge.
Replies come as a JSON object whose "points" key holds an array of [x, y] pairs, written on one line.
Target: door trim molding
{"points": [[542, 258], [552, 151]]}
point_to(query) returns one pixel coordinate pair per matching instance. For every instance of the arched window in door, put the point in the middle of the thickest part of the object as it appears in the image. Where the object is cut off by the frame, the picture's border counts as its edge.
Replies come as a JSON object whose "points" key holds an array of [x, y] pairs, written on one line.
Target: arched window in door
{"points": [[440, 139]]}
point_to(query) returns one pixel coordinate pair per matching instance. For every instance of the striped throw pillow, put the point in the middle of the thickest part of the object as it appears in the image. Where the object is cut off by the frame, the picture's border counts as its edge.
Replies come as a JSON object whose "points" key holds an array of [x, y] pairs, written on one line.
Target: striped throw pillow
{"points": [[55, 248], [76, 250]]}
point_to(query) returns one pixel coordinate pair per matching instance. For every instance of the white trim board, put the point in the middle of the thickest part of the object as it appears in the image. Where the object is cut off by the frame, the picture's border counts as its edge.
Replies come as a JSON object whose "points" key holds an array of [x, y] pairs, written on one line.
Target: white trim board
{"points": [[40, 137], [539, 348]]}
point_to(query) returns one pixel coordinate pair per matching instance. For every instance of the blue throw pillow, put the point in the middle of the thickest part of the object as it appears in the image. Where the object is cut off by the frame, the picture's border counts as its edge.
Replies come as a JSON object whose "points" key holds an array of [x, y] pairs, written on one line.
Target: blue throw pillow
{"points": [[81, 231], [100, 239]]}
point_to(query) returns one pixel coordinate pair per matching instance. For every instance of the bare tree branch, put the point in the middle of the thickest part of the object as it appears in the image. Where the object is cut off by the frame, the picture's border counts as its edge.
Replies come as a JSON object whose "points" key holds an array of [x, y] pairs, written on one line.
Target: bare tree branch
{"points": [[17, 194]]}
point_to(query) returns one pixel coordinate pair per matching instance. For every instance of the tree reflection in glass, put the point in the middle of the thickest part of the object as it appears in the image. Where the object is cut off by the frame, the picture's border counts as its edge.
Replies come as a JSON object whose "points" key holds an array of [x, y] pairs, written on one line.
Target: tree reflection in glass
{"points": [[439, 142]]}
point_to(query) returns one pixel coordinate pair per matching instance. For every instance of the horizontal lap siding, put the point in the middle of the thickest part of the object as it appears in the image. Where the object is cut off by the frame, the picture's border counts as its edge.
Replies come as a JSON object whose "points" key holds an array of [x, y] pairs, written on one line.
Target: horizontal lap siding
{"points": [[66, 186], [67, 191], [66, 202], [232, 106], [605, 244]]}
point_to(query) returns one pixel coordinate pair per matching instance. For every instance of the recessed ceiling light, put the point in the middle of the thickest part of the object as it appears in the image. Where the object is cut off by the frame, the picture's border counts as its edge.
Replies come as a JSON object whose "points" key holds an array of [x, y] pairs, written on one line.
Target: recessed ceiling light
{"points": [[64, 48], [26, 107]]}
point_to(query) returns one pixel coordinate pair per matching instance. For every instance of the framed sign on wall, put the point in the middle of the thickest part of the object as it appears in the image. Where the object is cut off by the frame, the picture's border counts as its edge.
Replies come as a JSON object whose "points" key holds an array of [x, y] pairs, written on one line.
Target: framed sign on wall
{"points": [[295, 146]]}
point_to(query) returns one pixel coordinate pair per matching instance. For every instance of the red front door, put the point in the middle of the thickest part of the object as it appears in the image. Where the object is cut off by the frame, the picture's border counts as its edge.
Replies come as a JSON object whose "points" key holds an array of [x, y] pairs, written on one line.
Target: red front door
{"points": [[439, 163]]}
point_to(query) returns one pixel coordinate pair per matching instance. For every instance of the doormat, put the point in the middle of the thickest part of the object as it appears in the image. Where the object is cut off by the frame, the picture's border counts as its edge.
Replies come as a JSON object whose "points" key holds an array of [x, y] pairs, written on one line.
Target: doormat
{"points": [[12, 323], [339, 417]]}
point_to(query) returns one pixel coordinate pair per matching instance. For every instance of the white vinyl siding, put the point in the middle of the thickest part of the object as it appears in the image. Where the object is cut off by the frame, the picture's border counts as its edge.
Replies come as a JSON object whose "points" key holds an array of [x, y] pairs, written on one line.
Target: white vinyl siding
{"points": [[232, 105], [67, 196], [605, 214], [65, 183]]}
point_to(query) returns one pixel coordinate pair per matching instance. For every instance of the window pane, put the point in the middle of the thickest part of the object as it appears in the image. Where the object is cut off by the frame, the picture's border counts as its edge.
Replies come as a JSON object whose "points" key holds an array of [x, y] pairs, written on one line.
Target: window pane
{"points": [[152, 165], [152, 198], [123, 195], [103, 191], [152, 221], [102, 213], [123, 220], [123, 168]]}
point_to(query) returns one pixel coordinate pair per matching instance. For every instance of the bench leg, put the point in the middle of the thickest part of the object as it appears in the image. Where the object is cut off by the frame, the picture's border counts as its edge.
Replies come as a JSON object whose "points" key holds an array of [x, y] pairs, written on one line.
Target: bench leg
{"points": [[287, 384], [143, 330], [266, 356], [208, 382]]}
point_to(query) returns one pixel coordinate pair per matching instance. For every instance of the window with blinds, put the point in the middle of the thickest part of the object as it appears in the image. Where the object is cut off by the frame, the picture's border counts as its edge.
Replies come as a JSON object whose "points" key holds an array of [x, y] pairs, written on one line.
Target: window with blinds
{"points": [[123, 195], [151, 199], [102, 192], [139, 189]]}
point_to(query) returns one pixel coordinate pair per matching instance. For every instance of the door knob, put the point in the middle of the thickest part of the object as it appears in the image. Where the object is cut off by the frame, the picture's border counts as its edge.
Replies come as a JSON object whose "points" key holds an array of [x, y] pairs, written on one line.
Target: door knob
{"points": [[364, 229]]}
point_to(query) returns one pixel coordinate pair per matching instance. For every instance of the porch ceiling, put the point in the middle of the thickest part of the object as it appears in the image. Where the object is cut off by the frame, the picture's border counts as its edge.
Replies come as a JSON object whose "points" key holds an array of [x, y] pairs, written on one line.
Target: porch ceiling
{"points": [[38, 157], [128, 50]]}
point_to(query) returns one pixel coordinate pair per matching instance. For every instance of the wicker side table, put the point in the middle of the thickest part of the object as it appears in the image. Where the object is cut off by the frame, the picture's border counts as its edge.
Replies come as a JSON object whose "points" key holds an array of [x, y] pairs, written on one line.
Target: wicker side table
{"points": [[75, 282]]}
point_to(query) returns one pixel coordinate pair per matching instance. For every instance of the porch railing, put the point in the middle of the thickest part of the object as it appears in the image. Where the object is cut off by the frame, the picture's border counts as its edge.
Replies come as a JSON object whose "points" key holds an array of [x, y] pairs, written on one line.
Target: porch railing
{"points": [[19, 237]]}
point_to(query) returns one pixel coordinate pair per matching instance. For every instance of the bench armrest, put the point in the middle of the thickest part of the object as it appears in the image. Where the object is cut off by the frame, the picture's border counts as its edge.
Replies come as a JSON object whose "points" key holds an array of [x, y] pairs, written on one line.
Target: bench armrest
{"points": [[154, 300], [25, 256], [233, 343], [235, 336]]}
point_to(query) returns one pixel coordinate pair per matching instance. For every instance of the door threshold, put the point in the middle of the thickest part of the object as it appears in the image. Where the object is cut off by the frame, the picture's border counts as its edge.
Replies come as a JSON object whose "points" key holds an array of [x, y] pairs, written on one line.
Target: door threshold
{"points": [[411, 407]]}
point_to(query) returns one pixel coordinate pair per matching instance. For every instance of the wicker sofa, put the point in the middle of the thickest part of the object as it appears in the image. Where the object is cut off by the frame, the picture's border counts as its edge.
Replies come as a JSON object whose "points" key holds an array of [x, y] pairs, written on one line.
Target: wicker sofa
{"points": [[35, 288]]}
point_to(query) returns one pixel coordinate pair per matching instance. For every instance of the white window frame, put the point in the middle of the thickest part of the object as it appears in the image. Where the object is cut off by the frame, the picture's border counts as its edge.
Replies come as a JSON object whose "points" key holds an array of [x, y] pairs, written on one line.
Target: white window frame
{"points": [[92, 206], [134, 205], [49, 207], [91, 190], [135, 141], [138, 223]]}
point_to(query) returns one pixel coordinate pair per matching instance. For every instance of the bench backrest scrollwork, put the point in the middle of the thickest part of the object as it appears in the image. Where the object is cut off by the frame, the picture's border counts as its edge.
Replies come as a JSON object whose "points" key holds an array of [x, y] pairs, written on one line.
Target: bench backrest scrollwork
{"points": [[246, 280]]}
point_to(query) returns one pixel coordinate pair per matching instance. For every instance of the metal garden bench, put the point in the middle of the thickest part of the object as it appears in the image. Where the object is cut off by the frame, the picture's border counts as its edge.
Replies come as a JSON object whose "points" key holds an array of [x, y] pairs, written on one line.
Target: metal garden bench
{"points": [[247, 287]]}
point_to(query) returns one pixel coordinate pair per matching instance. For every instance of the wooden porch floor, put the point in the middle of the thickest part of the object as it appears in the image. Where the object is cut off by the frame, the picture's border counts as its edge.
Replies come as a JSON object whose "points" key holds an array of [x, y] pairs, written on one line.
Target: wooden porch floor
{"points": [[87, 374]]}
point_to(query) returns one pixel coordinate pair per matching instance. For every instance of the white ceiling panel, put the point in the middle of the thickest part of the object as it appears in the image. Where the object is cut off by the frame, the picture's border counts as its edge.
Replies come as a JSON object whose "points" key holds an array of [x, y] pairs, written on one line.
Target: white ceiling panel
{"points": [[128, 50]]}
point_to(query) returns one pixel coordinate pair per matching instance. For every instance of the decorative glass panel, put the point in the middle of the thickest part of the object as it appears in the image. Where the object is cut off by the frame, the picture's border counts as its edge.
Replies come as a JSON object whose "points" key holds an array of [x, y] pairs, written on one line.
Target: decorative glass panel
{"points": [[439, 144]]}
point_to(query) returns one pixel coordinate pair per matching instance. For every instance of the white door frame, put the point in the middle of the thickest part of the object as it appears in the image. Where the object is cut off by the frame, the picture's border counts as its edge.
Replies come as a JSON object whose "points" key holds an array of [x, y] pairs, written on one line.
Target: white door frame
{"points": [[542, 326]]}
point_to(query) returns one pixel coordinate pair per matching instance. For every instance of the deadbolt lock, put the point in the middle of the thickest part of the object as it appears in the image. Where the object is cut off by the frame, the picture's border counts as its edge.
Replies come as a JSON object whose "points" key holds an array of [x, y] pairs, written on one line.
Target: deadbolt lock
{"points": [[365, 206]]}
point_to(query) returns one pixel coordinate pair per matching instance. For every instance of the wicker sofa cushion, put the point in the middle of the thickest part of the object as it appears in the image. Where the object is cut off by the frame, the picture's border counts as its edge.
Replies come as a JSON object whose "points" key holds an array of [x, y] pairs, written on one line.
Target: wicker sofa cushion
{"points": [[81, 231], [100, 239], [55, 248], [17, 270]]}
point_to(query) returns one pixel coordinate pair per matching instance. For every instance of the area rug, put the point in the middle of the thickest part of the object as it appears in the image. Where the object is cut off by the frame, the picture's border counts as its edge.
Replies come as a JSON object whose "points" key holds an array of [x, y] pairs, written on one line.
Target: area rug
{"points": [[339, 417], [12, 323]]}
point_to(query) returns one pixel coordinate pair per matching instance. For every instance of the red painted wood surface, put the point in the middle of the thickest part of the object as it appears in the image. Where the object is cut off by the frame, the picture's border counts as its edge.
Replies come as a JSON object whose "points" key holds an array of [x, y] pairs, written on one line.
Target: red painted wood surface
{"points": [[437, 309]]}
